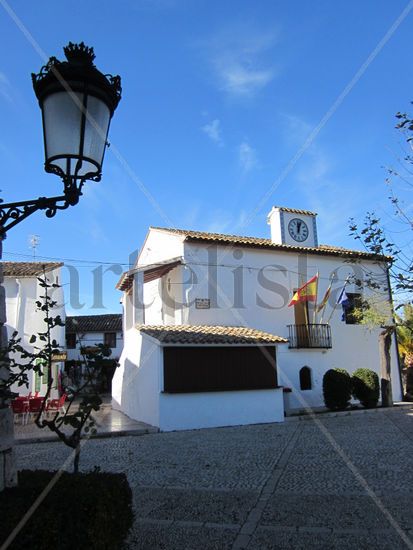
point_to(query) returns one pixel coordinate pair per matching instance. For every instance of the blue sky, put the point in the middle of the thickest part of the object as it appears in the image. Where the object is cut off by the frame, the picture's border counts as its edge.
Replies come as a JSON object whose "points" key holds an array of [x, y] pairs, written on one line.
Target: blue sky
{"points": [[219, 97]]}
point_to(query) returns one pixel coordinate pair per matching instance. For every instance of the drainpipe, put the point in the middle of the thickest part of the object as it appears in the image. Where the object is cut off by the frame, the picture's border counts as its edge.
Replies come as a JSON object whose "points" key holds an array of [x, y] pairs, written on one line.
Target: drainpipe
{"points": [[18, 306]]}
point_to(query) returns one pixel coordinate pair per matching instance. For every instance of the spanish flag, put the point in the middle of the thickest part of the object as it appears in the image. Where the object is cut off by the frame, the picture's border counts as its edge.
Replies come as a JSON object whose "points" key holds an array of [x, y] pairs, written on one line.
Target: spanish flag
{"points": [[324, 301], [306, 293]]}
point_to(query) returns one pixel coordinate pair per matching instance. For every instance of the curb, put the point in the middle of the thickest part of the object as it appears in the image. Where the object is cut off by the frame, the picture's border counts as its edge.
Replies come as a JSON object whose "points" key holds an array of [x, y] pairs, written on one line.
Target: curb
{"points": [[321, 415], [101, 435]]}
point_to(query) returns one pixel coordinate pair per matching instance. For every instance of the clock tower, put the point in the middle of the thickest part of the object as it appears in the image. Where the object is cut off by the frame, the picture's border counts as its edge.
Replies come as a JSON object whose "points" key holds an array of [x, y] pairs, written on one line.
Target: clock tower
{"points": [[293, 227]]}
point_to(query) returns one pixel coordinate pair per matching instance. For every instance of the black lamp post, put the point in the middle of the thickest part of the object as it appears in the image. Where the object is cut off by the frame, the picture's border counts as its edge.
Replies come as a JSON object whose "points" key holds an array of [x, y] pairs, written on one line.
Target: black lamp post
{"points": [[77, 103]]}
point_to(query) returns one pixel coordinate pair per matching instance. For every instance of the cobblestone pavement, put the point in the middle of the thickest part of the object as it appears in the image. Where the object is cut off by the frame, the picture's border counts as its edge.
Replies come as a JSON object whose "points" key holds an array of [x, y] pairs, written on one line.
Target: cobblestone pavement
{"points": [[342, 483]]}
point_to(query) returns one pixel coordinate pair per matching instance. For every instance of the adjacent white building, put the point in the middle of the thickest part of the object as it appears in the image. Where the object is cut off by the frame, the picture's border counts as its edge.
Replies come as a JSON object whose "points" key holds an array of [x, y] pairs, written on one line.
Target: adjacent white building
{"points": [[210, 339], [23, 290], [88, 331]]}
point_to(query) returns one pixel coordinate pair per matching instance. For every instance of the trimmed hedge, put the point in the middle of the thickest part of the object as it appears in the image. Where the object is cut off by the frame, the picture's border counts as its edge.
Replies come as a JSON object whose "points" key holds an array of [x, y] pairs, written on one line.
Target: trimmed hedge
{"points": [[337, 389], [366, 387], [86, 510]]}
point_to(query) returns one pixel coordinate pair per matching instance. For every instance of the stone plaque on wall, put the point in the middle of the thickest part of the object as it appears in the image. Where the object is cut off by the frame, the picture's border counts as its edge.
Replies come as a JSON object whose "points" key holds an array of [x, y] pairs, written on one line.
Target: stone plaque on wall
{"points": [[202, 303]]}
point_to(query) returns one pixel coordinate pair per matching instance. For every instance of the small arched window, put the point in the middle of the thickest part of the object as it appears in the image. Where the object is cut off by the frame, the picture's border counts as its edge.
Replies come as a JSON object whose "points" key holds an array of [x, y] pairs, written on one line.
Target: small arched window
{"points": [[305, 378]]}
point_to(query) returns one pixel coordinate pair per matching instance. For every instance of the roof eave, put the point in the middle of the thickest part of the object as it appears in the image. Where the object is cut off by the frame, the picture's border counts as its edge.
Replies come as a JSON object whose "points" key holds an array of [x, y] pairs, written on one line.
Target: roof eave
{"points": [[294, 249]]}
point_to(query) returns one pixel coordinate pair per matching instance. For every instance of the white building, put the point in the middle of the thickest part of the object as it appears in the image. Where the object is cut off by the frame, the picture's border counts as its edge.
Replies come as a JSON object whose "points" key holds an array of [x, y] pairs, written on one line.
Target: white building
{"points": [[189, 290], [23, 290], [92, 330], [88, 331]]}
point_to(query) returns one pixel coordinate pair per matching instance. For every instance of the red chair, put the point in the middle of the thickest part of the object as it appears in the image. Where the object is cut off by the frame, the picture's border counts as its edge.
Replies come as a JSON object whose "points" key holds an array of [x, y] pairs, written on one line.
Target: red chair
{"points": [[20, 406], [35, 405]]}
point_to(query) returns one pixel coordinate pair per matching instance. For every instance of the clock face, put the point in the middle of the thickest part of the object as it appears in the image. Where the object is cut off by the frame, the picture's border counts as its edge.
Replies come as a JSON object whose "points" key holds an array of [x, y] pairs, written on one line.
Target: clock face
{"points": [[298, 230]]}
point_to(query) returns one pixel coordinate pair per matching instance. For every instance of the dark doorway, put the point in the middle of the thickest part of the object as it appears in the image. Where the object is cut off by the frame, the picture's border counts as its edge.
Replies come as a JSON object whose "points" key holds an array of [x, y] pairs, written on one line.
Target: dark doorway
{"points": [[305, 378]]}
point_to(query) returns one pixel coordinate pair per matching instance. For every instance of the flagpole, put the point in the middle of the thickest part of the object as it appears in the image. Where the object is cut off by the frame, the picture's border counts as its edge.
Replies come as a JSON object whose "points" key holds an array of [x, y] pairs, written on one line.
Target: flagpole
{"points": [[315, 302], [327, 291], [336, 304]]}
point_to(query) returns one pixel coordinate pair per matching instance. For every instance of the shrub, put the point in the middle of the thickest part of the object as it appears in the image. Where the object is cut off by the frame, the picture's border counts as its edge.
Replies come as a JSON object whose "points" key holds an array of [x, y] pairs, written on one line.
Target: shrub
{"points": [[336, 389], [87, 510], [366, 387]]}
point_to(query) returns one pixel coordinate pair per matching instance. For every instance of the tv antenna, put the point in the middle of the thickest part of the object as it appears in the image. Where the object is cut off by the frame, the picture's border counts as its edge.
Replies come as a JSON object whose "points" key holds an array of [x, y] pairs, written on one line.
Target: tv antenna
{"points": [[34, 241]]}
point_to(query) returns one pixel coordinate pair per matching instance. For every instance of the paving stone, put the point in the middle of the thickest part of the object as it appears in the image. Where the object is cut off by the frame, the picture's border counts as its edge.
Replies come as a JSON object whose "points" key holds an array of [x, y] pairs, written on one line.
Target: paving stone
{"points": [[159, 522], [400, 508], [255, 515], [232, 526], [242, 541], [175, 537], [182, 505], [248, 528], [267, 539], [323, 511], [188, 523], [310, 479]]}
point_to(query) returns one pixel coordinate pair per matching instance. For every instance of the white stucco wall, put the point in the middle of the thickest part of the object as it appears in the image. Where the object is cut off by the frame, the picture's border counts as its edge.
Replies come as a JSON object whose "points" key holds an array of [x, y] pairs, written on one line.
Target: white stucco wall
{"points": [[136, 382], [187, 411], [152, 296], [265, 281], [128, 312], [172, 285], [159, 246], [24, 316]]}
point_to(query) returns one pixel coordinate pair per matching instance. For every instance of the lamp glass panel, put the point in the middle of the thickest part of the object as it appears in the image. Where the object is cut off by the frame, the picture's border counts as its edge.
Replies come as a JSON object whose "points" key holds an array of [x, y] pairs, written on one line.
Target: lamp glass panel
{"points": [[62, 117], [96, 130]]}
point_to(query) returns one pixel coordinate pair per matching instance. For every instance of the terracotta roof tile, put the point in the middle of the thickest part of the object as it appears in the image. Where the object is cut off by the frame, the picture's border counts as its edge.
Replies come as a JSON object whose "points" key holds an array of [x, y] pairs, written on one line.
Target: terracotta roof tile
{"points": [[209, 334], [294, 211], [151, 272], [111, 322], [258, 242], [28, 269], [125, 282]]}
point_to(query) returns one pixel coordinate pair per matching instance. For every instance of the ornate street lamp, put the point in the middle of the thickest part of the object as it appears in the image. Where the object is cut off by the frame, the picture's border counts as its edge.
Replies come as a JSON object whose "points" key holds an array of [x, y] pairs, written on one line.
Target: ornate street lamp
{"points": [[77, 103]]}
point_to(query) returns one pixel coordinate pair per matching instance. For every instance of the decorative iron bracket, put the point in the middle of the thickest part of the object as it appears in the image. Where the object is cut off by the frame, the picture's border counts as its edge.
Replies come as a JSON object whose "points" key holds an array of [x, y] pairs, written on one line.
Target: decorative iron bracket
{"points": [[13, 213]]}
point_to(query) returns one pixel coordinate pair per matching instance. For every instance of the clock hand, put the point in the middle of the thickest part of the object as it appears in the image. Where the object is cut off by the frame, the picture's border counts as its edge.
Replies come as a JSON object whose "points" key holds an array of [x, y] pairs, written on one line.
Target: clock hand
{"points": [[298, 227]]}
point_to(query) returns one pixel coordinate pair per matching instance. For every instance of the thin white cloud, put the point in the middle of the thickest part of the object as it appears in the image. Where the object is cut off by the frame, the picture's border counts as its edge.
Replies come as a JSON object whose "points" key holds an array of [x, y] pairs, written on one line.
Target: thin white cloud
{"points": [[237, 56], [5, 88], [247, 157], [213, 131], [240, 80]]}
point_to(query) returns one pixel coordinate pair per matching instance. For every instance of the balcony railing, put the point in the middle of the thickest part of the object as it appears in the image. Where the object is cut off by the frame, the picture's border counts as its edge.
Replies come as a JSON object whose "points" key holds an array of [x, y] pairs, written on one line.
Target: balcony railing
{"points": [[309, 336]]}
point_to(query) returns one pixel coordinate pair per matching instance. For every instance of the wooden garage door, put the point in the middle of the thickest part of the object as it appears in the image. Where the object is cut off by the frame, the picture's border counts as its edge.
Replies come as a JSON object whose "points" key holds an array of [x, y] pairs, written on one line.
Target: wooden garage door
{"points": [[199, 369]]}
